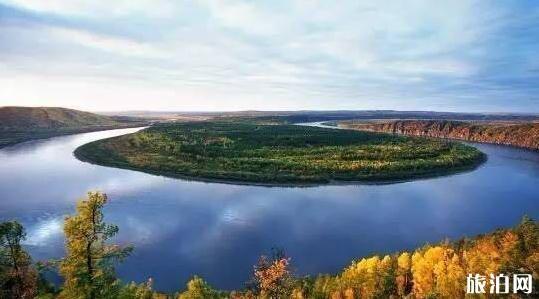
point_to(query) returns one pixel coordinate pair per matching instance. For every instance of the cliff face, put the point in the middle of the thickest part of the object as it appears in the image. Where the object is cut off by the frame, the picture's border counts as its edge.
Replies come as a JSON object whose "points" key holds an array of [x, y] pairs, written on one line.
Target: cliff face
{"points": [[520, 135]]}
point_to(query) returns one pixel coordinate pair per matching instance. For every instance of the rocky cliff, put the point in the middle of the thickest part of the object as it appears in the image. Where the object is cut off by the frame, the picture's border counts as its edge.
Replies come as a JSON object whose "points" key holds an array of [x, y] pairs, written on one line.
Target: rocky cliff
{"points": [[525, 135]]}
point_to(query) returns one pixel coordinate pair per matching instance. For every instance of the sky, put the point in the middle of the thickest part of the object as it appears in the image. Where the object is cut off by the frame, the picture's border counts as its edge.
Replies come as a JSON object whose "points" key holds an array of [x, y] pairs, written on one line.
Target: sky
{"points": [[450, 55]]}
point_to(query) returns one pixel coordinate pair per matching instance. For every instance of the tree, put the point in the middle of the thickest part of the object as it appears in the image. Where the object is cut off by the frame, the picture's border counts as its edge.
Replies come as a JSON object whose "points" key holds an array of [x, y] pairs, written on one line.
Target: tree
{"points": [[88, 268], [450, 276], [18, 278], [404, 274], [527, 233], [423, 265], [137, 291], [197, 288], [272, 276], [387, 277], [324, 286]]}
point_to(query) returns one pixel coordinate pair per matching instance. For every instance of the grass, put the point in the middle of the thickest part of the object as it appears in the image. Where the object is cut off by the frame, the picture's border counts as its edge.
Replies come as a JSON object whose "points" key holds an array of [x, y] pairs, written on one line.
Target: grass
{"points": [[246, 152]]}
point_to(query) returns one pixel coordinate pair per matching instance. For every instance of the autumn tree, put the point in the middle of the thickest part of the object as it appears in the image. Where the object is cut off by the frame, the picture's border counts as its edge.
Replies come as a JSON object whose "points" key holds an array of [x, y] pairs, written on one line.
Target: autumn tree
{"points": [[423, 263], [88, 268], [197, 288], [137, 291], [324, 285], [387, 270], [272, 275], [526, 253], [18, 278], [404, 274], [450, 275]]}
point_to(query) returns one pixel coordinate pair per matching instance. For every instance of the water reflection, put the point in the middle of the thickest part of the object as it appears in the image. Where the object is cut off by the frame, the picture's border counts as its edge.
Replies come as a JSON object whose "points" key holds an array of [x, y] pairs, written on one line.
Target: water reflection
{"points": [[181, 228]]}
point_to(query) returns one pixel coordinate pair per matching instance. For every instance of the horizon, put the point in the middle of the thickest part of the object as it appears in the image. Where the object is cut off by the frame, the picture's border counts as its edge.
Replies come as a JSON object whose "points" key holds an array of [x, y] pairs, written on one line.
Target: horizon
{"points": [[227, 56], [279, 111]]}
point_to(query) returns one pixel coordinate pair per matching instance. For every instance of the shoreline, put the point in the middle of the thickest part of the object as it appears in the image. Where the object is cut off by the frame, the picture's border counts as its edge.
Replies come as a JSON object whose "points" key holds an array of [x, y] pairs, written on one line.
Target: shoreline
{"points": [[341, 127], [51, 134], [373, 182]]}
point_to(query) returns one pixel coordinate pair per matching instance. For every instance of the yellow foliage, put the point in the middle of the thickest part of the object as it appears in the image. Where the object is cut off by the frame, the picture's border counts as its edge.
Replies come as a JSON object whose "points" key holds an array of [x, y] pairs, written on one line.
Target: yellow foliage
{"points": [[487, 255], [404, 268], [87, 267]]}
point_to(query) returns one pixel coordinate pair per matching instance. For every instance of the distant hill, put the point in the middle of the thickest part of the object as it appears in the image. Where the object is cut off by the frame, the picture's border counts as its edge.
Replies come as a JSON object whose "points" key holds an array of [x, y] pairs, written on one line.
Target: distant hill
{"points": [[321, 115], [19, 124], [50, 118]]}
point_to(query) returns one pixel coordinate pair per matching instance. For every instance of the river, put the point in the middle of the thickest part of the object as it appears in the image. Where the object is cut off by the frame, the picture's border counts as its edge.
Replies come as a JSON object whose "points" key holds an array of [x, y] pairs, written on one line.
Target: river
{"points": [[180, 228]]}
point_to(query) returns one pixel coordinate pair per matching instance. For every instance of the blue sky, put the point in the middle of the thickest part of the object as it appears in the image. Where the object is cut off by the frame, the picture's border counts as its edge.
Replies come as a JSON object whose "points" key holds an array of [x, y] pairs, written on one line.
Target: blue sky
{"points": [[270, 55]]}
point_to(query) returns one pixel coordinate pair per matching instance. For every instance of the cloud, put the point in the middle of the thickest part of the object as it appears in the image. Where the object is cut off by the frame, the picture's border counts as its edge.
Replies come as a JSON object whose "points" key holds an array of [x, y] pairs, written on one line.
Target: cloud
{"points": [[246, 17], [225, 55], [90, 8], [117, 45]]}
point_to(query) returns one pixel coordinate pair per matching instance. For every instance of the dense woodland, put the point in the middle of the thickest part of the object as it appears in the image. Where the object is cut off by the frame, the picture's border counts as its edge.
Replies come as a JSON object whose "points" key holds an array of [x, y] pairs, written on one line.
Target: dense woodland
{"points": [[432, 271], [278, 154]]}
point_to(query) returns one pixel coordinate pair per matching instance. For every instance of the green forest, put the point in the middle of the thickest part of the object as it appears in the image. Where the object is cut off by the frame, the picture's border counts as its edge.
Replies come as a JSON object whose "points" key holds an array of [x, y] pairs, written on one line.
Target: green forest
{"points": [[251, 152], [432, 271]]}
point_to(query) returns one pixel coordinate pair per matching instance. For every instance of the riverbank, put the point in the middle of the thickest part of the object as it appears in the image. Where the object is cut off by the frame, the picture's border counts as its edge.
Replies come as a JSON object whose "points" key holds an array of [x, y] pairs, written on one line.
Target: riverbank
{"points": [[279, 155], [20, 124], [12, 137], [517, 134]]}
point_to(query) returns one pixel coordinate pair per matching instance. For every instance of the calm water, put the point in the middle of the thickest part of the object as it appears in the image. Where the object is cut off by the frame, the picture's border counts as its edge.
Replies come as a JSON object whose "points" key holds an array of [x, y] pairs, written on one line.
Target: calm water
{"points": [[180, 228]]}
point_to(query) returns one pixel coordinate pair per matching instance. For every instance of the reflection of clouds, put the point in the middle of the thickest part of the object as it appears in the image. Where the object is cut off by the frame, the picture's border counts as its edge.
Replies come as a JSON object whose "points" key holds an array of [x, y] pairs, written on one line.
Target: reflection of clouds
{"points": [[141, 232], [43, 232], [45, 172], [126, 183], [232, 216]]}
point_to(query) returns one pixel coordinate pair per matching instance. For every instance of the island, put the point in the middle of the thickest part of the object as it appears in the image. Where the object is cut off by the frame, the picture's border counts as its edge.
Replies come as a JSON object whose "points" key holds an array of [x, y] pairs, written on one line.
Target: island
{"points": [[278, 154]]}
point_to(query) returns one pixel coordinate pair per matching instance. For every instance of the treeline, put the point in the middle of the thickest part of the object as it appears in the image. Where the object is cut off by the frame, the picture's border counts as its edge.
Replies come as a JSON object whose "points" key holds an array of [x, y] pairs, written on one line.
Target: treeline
{"points": [[433, 271]]}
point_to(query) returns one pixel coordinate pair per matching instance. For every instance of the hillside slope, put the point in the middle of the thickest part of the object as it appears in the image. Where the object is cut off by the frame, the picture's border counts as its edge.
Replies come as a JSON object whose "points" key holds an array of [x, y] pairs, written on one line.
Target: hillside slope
{"points": [[50, 118], [525, 135], [18, 124]]}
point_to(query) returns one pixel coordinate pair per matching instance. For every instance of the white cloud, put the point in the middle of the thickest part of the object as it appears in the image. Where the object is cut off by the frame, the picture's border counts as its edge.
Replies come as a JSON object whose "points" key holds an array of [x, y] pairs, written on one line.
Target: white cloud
{"points": [[436, 66], [121, 46], [244, 16], [253, 55], [96, 8]]}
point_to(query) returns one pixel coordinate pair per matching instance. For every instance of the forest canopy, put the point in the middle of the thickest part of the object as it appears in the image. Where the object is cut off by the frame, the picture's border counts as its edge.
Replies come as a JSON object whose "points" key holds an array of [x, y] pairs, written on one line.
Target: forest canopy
{"points": [[241, 151]]}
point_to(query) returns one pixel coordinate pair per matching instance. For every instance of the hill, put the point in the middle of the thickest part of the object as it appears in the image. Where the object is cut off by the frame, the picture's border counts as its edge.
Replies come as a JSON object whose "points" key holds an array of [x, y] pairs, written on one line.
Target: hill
{"points": [[18, 124]]}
